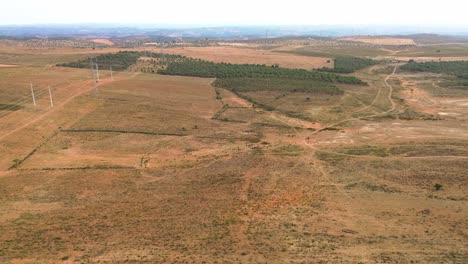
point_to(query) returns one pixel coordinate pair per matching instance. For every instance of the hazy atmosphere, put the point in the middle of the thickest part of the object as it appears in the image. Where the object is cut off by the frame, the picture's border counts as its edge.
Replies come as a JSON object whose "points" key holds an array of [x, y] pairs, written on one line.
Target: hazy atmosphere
{"points": [[241, 12]]}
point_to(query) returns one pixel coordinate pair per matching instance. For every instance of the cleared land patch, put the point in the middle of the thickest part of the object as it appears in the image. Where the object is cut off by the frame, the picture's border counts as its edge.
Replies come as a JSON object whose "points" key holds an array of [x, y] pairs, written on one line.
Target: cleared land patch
{"points": [[104, 41], [8, 66], [381, 40]]}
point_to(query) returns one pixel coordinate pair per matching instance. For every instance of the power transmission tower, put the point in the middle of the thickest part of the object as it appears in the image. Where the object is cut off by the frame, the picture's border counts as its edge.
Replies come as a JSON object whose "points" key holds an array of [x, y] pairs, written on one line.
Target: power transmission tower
{"points": [[33, 97], [97, 72], [91, 66], [50, 96]]}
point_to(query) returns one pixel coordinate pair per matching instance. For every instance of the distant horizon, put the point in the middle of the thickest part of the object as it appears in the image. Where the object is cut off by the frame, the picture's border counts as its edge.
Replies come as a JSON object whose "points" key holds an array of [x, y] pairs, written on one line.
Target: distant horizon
{"points": [[221, 31], [221, 25], [450, 13]]}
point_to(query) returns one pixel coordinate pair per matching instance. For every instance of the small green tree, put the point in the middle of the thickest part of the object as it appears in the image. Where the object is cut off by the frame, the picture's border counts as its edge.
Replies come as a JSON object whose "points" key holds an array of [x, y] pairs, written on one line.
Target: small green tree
{"points": [[16, 162], [438, 186]]}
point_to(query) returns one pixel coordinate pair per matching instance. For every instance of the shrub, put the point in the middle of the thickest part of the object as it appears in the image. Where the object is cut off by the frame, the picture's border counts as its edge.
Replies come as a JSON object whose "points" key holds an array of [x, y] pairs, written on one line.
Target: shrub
{"points": [[16, 162]]}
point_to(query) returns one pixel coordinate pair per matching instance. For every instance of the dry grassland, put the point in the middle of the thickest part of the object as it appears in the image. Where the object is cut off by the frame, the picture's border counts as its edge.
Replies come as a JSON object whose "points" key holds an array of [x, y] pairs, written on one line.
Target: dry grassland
{"points": [[165, 169], [251, 56], [381, 41]]}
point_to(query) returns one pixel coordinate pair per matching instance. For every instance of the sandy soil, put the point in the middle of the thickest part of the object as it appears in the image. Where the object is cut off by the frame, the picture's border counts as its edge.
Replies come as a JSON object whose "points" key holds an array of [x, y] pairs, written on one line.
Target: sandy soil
{"points": [[8, 66], [381, 40]]}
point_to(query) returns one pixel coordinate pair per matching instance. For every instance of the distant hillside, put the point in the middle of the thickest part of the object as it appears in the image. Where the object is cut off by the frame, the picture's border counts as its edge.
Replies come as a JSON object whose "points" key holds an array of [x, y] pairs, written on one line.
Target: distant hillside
{"points": [[435, 39], [218, 32]]}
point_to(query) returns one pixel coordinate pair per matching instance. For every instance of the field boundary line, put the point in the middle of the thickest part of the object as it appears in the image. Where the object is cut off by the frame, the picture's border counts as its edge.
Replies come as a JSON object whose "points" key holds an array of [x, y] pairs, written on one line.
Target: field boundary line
{"points": [[217, 114], [16, 166], [82, 168], [123, 132]]}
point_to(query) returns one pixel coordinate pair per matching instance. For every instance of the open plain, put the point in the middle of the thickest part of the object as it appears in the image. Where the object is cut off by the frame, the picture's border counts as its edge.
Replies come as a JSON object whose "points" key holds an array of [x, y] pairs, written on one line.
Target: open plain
{"points": [[148, 167]]}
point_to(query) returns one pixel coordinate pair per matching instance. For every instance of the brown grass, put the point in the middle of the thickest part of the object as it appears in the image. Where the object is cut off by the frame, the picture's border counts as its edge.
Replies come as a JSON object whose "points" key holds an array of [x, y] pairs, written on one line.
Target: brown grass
{"points": [[381, 40], [106, 187], [248, 55]]}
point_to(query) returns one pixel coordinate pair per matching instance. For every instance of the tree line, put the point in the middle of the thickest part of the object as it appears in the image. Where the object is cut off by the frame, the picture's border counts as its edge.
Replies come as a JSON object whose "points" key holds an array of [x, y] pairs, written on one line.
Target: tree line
{"points": [[122, 60], [458, 68], [184, 66], [348, 64], [201, 68]]}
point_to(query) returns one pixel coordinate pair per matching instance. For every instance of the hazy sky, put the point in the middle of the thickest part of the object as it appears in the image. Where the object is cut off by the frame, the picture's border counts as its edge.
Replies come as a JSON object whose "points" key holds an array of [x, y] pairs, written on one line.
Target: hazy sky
{"points": [[220, 12]]}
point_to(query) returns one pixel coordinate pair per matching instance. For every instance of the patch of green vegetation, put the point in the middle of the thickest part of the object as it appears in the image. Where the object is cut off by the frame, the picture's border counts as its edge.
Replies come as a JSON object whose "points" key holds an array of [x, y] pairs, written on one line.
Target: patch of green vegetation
{"points": [[410, 114], [458, 68], [329, 157], [340, 50], [430, 150], [277, 84], [365, 150], [201, 68], [435, 51], [461, 84], [184, 66], [373, 187], [288, 150], [405, 150], [10, 107], [122, 60], [347, 64], [384, 70], [330, 129]]}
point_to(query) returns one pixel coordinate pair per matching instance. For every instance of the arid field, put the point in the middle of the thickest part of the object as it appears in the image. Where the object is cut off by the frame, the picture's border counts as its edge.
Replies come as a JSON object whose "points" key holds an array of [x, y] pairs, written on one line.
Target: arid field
{"points": [[382, 40], [151, 167], [251, 55]]}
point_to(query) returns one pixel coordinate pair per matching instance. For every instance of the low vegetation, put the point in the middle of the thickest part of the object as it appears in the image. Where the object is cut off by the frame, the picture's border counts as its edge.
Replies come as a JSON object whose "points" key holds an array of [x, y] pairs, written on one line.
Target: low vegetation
{"points": [[10, 107], [122, 60], [456, 83], [458, 68], [348, 64], [277, 84], [184, 66], [236, 77], [201, 68]]}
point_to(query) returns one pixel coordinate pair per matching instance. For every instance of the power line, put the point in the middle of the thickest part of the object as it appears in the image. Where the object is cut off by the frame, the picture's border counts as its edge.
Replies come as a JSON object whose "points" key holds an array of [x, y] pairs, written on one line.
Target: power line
{"points": [[11, 109], [26, 99]]}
